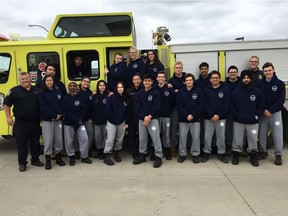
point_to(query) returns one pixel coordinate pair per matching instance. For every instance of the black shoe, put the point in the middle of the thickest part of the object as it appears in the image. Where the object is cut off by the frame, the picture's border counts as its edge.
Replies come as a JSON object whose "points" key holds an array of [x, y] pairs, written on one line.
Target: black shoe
{"points": [[195, 159], [235, 159], [157, 162], [22, 168], [181, 159], [117, 156], [222, 158], [167, 153], [253, 159], [99, 153], [205, 157], [48, 162], [59, 160], [86, 160], [139, 160], [37, 163], [107, 160], [72, 161], [77, 155]]}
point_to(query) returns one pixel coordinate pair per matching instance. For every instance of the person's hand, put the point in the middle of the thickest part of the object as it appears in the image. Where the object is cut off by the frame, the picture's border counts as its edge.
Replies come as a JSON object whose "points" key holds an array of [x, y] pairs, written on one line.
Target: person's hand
{"points": [[267, 114], [190, 117], [215, 118], [10, 121]]}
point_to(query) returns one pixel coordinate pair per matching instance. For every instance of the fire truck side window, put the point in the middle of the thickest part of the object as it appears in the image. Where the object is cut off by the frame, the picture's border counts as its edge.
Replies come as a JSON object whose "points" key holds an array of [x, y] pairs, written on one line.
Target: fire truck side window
{"points": [[37, 61], [83, 63], [5, 60]]}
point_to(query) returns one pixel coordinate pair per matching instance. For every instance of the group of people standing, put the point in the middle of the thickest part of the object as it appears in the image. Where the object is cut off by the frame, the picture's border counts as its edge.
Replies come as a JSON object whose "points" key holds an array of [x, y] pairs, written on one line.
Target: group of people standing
{"points": [[138, 98]]}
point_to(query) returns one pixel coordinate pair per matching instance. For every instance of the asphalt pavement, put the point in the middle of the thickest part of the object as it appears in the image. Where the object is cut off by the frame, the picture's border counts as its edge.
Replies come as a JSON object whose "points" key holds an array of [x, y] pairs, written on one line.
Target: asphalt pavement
{"points": [[211, 188]]}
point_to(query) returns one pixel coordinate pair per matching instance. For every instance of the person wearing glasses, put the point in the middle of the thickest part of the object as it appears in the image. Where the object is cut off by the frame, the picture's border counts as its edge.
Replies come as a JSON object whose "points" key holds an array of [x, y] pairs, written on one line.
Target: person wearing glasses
{"points": [[135, 65], [217, 102], [153, 65], [256, 73]]}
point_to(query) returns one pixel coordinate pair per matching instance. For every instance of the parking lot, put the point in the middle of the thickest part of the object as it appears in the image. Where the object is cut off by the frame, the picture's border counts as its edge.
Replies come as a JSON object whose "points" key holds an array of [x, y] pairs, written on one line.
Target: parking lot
{"points": [[211, 188]]}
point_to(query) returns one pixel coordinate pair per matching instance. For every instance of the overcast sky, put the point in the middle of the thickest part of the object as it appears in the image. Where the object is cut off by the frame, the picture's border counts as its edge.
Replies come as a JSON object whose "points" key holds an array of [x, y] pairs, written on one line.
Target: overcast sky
{"points": [[188, 21]]}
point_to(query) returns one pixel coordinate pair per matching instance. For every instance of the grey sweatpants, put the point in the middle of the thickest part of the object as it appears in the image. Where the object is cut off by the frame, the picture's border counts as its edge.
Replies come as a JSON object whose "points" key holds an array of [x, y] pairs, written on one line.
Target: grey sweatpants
{"points": [[275, 124], [238, 134], [194, 129], [89, 128], [82, 139], [164, 123], [52, 136], [100, 133], [115, 133], [219, 128], [153, 130]]}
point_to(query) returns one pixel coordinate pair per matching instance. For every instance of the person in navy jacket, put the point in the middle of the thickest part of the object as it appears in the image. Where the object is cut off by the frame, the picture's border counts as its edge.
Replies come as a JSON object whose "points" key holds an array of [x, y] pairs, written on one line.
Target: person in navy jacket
{"points": [[232, 82], [217, 101], [189, 105], [167, 103], [117, 72], [86, 93], [51, 113], [99, 117], [274, 91], [133, 138], [247, 105], [153, 65], [50, 70], [74, 110], [148, 103], [118, 113], [203, 80], [135, 65], [176, 82]]}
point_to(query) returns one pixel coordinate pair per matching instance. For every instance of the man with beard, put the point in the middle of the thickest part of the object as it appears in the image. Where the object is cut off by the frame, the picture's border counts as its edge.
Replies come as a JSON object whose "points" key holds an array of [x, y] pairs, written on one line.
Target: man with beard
{"points": [[247, 105]]}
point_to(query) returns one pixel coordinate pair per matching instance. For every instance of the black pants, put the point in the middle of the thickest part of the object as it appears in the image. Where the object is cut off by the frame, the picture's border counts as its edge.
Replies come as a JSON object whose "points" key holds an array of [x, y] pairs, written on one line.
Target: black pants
{"points": [[133, 140], [27, 133]]}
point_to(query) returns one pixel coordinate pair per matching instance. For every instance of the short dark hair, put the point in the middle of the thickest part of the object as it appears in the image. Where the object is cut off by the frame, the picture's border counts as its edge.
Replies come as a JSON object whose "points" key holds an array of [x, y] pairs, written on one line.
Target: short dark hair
{"points": [[232, 67], [147, 76], [189, 75], [204, 64], [214, 72], [268, 64]]}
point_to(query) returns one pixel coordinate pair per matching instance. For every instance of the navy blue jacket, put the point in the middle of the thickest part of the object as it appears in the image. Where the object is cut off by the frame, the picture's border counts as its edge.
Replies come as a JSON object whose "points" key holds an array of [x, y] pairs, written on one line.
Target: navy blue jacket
{"points": [[117, 72], [148, 103], [274, 92], [202, 83], [78, 71], [153, 69], [190, 102], [167, 100], [51, 104], [88, 103], [177, 82], [247, 104], [117, 109], [137, 66], [99, 103], [232, 85], [57, 83], [74, 110], [217, 101]]}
